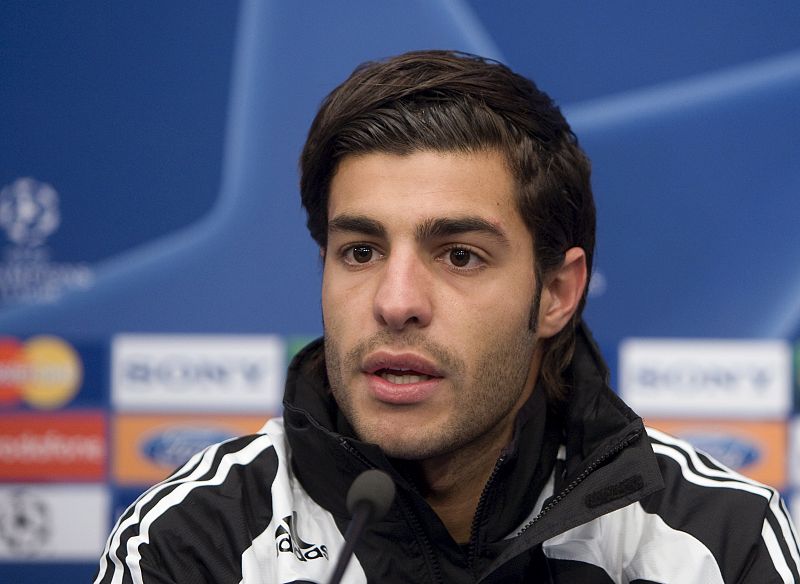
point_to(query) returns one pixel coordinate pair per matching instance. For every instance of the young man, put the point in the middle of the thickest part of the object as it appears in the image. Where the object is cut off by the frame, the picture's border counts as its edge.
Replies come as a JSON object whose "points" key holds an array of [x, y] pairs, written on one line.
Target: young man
{"points": [[454, 214]]}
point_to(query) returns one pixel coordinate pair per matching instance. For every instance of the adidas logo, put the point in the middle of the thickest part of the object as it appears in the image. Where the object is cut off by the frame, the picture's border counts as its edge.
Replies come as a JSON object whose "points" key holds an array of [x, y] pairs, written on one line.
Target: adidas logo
{"points": [[287, 540]]}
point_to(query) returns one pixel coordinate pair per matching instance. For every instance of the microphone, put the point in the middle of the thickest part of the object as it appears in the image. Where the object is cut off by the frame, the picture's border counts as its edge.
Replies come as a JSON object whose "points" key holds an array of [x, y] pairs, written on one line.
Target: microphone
{"points": [[368, 500]]}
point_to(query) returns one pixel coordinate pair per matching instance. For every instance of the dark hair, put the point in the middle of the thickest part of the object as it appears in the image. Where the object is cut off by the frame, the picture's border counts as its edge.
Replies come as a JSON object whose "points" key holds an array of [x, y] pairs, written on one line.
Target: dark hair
{"points": [[451, 101]]}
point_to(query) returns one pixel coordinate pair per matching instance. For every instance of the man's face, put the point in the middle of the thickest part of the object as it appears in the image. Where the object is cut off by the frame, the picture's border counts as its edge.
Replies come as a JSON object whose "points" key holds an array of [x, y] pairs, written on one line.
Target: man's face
{"points": [[427, 292]]}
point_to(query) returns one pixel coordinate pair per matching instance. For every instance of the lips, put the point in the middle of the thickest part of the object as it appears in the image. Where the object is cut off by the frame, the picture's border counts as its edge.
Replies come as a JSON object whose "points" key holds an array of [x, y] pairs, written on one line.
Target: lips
{"points": [[401, 377], [404, 378]]}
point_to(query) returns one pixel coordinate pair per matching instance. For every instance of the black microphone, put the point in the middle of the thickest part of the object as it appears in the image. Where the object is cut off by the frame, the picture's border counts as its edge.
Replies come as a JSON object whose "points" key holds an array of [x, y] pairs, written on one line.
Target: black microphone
{"points": [[368, 500]]}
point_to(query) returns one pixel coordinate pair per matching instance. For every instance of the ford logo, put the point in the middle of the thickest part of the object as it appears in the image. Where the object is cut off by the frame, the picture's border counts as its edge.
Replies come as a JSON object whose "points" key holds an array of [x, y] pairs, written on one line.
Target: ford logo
{"points": [[175, 446], [733, 452]]}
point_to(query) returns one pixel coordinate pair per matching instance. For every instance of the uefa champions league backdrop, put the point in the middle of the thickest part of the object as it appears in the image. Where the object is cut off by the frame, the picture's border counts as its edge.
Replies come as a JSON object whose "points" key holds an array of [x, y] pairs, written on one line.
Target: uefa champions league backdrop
{"points": [[156, 275]]}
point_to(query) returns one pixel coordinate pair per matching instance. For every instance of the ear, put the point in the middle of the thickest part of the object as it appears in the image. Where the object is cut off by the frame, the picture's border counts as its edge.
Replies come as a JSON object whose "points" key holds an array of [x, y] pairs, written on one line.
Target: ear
{"points": [[561, 293]]}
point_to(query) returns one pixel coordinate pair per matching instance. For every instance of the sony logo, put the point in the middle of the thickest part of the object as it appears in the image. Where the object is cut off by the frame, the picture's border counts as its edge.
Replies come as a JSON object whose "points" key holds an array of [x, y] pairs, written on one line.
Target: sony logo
{"points": [[692, 377], [240, 373], [706, 377], [184, 372]]}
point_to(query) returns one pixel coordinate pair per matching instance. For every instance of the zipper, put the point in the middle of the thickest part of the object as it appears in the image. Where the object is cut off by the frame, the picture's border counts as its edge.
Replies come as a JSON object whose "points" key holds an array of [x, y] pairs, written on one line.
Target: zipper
{"points": [[355, 453], [480, 511], [423, 541], [408, 513], [616, 449]]}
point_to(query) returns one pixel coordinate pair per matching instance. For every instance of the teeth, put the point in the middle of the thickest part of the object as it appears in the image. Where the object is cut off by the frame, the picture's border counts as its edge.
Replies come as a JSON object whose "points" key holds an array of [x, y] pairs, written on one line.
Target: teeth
{"points": [[403, 379]]}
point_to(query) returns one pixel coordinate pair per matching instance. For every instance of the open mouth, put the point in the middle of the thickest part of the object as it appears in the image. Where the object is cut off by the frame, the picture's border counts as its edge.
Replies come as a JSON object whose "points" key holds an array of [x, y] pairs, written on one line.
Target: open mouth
{"points": [[402, 377]]}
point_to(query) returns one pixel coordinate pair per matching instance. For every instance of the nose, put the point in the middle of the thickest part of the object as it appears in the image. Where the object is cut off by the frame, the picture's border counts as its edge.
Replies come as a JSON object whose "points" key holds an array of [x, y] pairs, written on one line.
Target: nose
{"points": [[403, 296]]}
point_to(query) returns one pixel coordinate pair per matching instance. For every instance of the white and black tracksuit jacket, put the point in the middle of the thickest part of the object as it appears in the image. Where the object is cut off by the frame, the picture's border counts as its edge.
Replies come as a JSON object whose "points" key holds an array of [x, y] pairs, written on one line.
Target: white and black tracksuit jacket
{"points": [[584, 496]]}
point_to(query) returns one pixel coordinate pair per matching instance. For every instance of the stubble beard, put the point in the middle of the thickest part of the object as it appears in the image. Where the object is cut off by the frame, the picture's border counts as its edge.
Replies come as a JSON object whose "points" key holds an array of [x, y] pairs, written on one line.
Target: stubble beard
{"points": [[484, 395]]}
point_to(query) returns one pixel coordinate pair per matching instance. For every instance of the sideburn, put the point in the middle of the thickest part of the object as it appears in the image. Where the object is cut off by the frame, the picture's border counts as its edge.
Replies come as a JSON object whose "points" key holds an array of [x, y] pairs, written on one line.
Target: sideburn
{"points": [[533, 318]]}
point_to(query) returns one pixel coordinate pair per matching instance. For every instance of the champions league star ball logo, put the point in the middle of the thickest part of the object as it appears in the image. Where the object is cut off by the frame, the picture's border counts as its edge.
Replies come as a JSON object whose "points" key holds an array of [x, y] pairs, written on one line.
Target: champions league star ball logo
{"points": [[29, 211], [24, 524], [29, 214]]}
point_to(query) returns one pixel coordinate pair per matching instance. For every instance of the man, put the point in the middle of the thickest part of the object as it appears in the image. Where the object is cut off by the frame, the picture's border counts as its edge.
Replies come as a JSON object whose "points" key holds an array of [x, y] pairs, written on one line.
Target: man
{"points": [[454, 214]]}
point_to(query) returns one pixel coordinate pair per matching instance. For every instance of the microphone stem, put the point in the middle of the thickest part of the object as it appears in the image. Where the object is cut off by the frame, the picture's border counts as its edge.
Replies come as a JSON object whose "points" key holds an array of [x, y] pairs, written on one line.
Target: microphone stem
{"points": [[351, 536]]}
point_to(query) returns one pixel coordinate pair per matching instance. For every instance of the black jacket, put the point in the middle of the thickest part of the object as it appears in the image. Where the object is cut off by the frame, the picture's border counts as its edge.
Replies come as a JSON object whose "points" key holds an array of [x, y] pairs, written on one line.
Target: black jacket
{"points": [[582, 495]]}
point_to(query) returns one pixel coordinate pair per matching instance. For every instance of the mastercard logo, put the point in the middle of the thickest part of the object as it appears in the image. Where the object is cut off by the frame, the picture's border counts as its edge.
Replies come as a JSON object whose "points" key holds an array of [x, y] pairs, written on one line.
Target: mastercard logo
{"points": [[44, 372]]}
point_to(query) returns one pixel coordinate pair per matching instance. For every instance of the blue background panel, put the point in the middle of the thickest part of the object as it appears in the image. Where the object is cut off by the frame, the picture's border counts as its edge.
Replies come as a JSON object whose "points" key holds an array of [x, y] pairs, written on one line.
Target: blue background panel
{"points": [[171, 133]]}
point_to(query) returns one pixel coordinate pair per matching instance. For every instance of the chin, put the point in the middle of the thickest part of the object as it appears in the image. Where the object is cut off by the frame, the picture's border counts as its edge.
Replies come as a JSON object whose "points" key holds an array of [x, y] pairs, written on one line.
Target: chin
{"points": [[393, 444], [419, 446], [405, 451]]}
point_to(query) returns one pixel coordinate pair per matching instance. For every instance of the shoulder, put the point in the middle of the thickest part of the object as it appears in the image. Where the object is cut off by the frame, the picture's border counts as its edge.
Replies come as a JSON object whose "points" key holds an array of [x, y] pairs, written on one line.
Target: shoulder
{"points": [[692, 476], [210, 506], [740, 522], [708, 525]]}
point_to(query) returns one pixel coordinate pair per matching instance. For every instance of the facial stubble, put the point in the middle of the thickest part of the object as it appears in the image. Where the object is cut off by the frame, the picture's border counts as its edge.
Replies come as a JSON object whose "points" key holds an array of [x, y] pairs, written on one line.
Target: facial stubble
{"points": [[485, 396]]}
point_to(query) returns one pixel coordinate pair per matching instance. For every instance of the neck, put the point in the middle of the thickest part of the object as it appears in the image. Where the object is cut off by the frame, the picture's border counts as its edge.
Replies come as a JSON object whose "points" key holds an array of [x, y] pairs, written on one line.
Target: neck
{"points": [[454, 483]]}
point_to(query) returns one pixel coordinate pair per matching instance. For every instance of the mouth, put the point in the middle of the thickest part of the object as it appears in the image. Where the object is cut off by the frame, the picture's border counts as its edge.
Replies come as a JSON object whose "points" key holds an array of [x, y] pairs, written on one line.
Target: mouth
{"points": [[400, 368], [401, 378]]}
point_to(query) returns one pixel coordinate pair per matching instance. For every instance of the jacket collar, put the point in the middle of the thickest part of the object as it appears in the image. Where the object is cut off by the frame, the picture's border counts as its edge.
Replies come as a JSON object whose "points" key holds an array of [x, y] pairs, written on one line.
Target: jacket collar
{"points": [[609, 461], [327, 457]]}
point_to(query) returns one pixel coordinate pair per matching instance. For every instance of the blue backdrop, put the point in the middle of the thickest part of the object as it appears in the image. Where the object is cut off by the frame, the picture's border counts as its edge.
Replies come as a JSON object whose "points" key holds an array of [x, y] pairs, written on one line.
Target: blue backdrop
{"points": [[171, 131]]}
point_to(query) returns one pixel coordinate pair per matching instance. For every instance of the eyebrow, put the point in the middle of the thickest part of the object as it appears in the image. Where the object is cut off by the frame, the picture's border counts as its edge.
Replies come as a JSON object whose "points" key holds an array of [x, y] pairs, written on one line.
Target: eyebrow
{"points": [[444, 227], [428, 229], [357, 224]]}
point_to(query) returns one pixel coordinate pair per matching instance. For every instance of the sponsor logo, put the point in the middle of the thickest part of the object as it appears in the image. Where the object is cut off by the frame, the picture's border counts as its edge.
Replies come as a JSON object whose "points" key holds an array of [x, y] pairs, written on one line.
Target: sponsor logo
{"points": [[232, 373], [731, 451], [29, 211], [723, 378], [25, 523], [44, 372], [53, 447], [288, 541], [174, 446], [52, 522], [29, 214], [754, 449], [148, 448]]}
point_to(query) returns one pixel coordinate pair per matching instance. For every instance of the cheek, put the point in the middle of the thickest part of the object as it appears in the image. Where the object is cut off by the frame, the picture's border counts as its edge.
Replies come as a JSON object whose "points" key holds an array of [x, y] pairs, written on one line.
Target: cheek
{"points": [[342, 302], [331, 288], [503, 304], [486, 328]]}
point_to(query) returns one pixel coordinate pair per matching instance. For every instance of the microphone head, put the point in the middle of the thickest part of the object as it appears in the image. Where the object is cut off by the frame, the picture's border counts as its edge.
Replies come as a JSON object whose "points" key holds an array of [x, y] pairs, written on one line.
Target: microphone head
{"points": [[374, 488]]}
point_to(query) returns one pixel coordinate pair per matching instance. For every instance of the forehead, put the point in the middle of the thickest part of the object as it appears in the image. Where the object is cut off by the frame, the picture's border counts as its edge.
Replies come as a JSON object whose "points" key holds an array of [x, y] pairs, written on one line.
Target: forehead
{"points": [[425, 184]]}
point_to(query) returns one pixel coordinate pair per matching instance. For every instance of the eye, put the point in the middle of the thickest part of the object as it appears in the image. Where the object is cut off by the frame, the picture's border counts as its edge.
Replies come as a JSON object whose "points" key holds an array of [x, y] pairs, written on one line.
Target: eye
{"points": [[462, 259], [362, 254], [359, 254]]}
